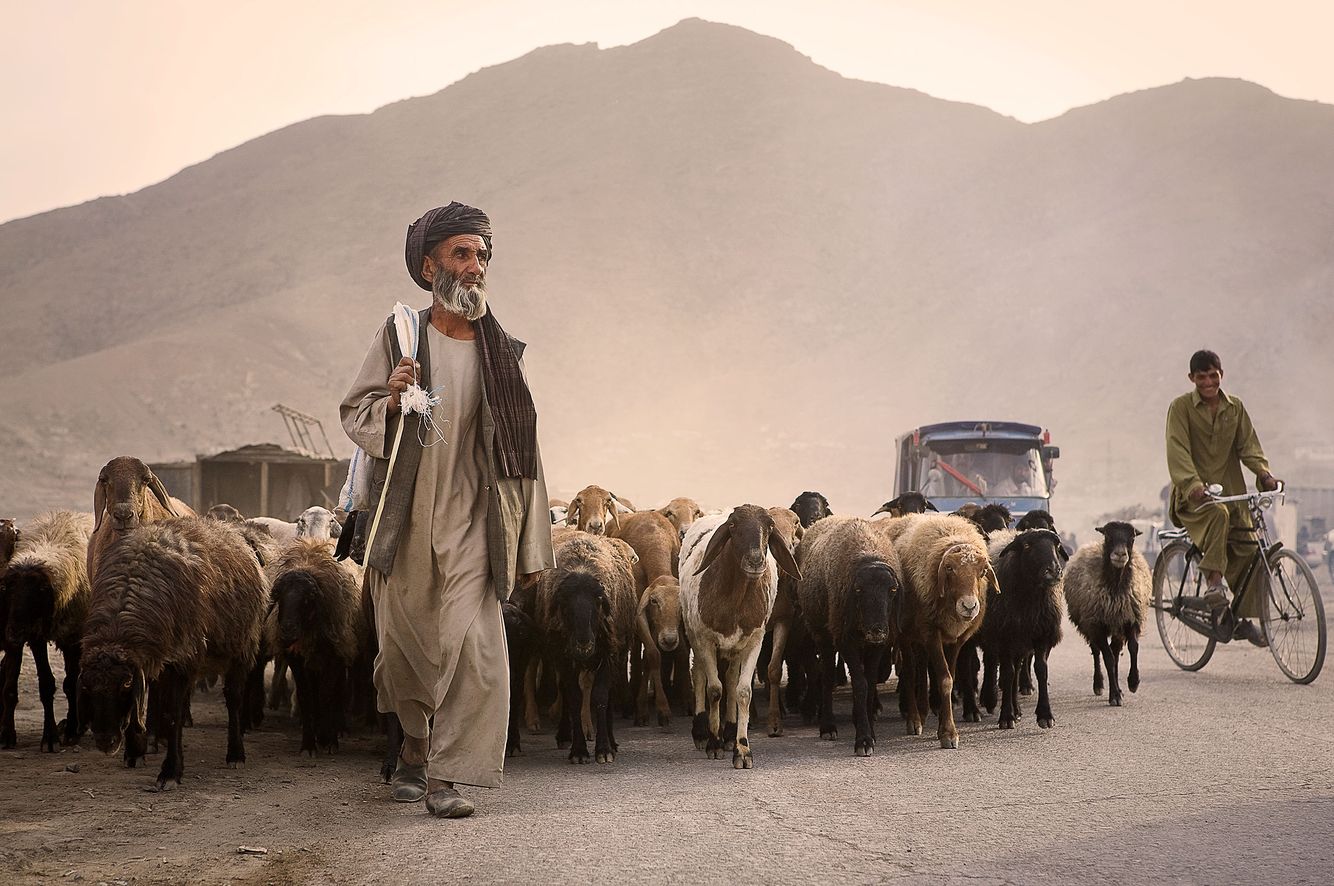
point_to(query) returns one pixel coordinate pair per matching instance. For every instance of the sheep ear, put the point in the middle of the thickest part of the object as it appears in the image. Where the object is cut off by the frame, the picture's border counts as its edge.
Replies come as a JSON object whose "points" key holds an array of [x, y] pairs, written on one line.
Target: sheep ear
{"points": [[1138, 533], [160, 493], [335, 529], [992, 577], [1064, 553], [721, 536], [99, 504], [1101, 529], [614, 512], [783, 554], [1012, 546], [572, 514], [931, 507]]}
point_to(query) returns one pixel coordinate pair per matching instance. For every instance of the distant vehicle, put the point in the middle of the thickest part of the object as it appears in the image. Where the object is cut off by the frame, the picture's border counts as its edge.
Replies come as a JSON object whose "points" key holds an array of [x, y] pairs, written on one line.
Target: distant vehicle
{"points": [[956, 462]]}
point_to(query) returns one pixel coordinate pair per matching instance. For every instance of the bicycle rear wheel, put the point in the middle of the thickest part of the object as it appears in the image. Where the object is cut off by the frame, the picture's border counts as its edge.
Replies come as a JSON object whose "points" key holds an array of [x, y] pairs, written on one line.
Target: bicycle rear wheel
{"points": [[1292, 616], [1176, 574]]}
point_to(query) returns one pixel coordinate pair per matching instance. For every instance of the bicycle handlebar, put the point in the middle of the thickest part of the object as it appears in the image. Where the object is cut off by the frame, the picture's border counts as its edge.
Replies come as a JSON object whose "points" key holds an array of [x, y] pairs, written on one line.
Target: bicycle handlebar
{"points": [[1263, 499]]}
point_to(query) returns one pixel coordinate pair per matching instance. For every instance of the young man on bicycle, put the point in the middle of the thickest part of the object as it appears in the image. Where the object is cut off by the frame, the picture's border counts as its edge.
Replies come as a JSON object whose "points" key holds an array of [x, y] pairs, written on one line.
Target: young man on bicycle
{"points": [[1209, 438]]}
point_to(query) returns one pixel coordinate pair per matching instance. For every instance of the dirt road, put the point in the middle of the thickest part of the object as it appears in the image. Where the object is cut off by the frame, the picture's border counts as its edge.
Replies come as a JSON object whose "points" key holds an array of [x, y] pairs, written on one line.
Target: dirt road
{"points": [[1217, 777]]}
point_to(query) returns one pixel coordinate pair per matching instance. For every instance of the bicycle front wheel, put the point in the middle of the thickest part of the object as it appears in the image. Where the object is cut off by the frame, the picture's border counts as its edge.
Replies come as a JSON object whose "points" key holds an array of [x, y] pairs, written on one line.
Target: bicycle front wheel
{"points": [[1292, 616], [1176, 574]]}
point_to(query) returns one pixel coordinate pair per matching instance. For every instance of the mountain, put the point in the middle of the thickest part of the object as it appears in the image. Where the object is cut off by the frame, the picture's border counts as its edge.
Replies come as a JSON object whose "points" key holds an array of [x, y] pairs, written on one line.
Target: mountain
{"points": [[740, 275]]}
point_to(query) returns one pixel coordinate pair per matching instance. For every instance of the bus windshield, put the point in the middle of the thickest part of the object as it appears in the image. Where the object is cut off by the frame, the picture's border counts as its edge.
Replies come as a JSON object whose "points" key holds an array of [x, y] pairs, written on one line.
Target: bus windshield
{"points": [[982, 468]]}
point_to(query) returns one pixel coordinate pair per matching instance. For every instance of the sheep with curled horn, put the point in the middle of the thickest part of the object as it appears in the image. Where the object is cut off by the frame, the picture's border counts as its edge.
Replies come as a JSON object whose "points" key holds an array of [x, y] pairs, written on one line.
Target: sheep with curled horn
{"points": [[593, 508], [128, 494], [171, 602], [44, 597], [947, 573], [729, 581]]}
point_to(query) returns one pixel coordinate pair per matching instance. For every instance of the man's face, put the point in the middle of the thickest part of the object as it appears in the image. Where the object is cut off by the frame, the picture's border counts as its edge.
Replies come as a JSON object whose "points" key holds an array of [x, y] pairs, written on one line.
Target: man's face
{"points": [[1207, 382], [463, 256]]}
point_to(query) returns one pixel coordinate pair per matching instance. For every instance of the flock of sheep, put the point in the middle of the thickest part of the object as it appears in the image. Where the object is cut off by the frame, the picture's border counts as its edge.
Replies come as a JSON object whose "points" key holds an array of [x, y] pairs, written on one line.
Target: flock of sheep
{"points": [[645, 611]]}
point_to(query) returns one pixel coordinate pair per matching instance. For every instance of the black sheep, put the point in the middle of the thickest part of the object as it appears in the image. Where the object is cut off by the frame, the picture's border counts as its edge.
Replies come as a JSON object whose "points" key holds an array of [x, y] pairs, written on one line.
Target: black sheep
{"points": [[1024, 619], [810, 507], [907, 503], [520, 638]]}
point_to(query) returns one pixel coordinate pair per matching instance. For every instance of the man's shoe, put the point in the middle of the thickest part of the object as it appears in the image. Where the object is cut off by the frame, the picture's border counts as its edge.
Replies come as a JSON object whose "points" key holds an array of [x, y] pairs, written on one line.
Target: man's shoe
{"points": [[409, 783], [1247, 630], [446, 803], [1215, 596]]}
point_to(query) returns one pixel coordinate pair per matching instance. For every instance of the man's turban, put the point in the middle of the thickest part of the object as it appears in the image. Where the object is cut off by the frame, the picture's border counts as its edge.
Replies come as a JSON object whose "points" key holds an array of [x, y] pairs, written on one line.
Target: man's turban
{"points": [[440, 224]]}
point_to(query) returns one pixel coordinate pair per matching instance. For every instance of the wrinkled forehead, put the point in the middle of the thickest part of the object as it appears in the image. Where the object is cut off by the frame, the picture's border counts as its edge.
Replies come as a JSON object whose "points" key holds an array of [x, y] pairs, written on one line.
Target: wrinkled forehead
{"points": [[467, 243]]}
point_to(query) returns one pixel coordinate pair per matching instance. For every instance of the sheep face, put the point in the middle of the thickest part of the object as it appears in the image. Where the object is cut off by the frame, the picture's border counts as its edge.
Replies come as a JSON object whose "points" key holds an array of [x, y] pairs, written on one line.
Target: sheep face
{"points": [[319, 523], [224, 514], [681, 512], [9, 539], [991, 518], [751, 535], [592, 509], [113, 696], [1118, 543], [123, 488], [962, 581], [582, 609], [907, 503], [810, 507], [662, 610], [30, 601], [875, 587], [296, 597], [1036, 519], [1040, 556]]}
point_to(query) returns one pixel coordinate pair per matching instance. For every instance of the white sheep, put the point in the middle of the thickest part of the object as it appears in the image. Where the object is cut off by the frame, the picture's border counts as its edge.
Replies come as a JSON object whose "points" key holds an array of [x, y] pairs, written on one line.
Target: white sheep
{"points": [[1107, 588]]}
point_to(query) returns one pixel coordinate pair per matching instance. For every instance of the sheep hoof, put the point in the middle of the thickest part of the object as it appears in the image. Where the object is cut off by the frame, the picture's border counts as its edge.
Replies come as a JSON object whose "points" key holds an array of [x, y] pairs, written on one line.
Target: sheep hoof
{"points": [[664, 720], [562, 745], [581, 757], [606, 757], [1006, 722], [1114, 700], [949, 742], [913, 729], [862, 748], [741, 758], [713, 749], [776, 731], [972, 717], [1047, 722], [829, 733], [1133, 683], [1097, 689], [699, 731]]}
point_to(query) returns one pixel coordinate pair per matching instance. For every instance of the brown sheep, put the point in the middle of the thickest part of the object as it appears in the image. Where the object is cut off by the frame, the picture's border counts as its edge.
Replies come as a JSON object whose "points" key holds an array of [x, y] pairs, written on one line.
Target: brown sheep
{"points": [[946, 573], [172, 601], [44, 598], [585, 616], [655, 541], [316, 623], [591, 508], [224, 513], [682, 512], [128, 494]]}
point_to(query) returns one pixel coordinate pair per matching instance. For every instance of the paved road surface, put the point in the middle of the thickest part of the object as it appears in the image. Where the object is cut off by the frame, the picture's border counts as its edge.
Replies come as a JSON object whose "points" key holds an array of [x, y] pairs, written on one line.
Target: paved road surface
{"points": [[1218, 777]]}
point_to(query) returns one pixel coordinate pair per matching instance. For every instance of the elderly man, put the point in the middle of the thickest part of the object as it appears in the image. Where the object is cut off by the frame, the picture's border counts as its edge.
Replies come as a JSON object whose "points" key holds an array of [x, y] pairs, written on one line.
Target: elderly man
{"points": [[1209, 438], [463, 518]]}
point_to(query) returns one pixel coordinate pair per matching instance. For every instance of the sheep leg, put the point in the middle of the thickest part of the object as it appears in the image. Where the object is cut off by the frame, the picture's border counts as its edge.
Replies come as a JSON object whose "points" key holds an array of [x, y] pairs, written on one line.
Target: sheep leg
{"points": [[681, 681], [708, 699], [639, 684], [653, 681], [911, 700], [254, 702], [741, 756], [9, 673], [572, 704], [518, 701], [531, 718], [774, 677], [330, 691], [1097, 667], [864, 740], [939, 664], [72, 727], [1009, 686], [586, 708], [990, 674], [280, 697], [1132, 646], [871, 666], [604, 746], [731, 702], [969, 669], [305, 702], [234, 691], [46, 690], [1026, 675], [828, 677], [1043, 711], [1111, 657], [170, 687]]}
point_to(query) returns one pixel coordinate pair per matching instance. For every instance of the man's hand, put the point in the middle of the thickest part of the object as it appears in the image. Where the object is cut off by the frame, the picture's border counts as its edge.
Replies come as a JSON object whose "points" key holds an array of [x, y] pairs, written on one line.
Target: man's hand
{"points": [[1267, 482], [1199, 495], [404, 374]]}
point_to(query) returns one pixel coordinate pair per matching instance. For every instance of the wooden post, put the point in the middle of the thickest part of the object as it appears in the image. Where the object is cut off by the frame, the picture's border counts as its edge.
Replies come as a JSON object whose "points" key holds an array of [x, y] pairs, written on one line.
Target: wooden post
{"points": [[264, 489]]}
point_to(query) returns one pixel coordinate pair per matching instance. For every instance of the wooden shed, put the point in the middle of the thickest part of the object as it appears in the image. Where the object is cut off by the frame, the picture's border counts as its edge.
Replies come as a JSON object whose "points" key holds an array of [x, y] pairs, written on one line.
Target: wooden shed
{"points": [[260, 480]]}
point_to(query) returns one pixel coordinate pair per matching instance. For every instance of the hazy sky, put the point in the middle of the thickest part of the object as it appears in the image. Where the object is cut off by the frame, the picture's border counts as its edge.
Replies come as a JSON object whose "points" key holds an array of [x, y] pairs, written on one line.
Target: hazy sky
{"points": [[105, 97]]}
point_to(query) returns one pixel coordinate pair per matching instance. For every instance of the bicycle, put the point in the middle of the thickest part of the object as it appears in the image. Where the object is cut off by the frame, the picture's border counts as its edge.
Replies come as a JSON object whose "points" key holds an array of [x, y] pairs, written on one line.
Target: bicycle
{"points": [[1292, 615]]}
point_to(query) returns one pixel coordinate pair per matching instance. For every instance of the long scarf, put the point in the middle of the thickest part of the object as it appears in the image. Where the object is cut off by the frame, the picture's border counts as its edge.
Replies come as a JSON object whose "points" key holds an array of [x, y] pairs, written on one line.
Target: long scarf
{"points": [[510, 400]]}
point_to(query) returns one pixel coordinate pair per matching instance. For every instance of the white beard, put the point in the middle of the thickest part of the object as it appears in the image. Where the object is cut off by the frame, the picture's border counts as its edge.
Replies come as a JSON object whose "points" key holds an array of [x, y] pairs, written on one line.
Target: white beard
{"points": [[454, 297]]}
